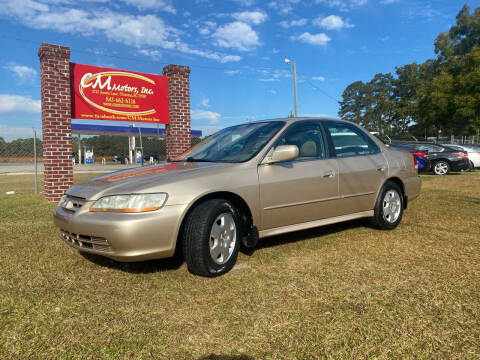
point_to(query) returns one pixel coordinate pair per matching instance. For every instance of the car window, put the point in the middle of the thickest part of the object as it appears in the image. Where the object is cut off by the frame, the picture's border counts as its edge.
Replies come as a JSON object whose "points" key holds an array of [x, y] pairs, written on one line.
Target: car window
{"points": [[307, 136], [348, 140], [454, 147], [427, 147]]}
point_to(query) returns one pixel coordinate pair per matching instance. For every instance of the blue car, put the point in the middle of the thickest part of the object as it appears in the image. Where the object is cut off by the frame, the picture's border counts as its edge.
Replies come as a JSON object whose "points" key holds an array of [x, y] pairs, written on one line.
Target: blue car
{"points": [[420, 157]]}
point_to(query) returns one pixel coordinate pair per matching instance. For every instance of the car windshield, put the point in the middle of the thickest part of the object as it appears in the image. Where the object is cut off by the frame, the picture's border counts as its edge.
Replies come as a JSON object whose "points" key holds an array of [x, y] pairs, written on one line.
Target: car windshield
{"points": [[234, 144]]}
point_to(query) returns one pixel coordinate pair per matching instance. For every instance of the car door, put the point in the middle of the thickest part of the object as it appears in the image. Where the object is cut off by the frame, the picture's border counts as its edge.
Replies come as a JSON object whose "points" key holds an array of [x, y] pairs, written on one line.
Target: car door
{"points": [[304, 189], [362, 167]]}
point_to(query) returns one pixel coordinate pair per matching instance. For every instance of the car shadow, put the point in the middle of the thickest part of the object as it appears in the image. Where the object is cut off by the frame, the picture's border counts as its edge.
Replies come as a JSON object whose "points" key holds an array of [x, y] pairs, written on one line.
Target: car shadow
{"points": [[226, 357], [302, 235], [137, 267], [175, 262]]}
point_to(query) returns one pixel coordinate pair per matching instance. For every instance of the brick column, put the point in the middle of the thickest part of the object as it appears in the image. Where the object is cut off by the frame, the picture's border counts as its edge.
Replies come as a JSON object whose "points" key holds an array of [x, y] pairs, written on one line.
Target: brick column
{"points": [[177, 132], [56, 119]]}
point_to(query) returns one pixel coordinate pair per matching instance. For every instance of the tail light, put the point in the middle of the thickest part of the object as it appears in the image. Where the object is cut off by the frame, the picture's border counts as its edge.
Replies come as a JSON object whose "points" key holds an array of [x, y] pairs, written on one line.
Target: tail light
{"points": [[419, 153], [461, 155]]}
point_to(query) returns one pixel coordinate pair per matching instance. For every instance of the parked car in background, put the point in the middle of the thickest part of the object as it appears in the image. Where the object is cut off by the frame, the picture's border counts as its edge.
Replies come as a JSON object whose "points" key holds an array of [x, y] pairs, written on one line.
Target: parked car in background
{"points": [[443, 159], [147, 158], [473, 152], [420, 157], [240, 184]]}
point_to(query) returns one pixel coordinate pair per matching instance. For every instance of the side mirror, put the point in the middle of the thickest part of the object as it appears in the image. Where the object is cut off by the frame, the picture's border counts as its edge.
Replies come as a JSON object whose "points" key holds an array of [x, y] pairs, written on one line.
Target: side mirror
{"points": [[282, 153]]}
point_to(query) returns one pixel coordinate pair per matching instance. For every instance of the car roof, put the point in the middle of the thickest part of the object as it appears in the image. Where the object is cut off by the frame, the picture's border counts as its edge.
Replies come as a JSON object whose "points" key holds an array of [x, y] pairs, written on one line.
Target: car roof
{"points": [[295, 119]]}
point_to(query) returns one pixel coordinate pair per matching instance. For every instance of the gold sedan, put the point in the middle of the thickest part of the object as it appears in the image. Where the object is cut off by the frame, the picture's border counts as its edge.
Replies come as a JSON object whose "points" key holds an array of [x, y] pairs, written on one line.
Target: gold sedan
{"points": [[237, 186]]}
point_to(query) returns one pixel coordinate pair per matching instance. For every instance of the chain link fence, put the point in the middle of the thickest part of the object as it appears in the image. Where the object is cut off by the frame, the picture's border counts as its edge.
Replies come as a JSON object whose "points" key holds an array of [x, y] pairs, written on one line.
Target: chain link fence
{"points": [[92, 155], [22, 158]]}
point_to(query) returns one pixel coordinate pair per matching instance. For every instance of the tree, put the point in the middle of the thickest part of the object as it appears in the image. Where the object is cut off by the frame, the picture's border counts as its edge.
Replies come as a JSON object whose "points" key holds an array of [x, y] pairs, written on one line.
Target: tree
{"points": [[353, 104], [439, 94]]}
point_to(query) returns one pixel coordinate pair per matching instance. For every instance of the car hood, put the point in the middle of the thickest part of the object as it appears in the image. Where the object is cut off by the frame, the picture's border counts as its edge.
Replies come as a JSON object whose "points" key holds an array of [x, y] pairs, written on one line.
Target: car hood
{"points": [[143, 179]]}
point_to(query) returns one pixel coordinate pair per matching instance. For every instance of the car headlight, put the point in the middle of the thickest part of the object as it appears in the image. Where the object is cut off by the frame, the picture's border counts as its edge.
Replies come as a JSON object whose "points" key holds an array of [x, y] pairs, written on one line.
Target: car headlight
{"points": [[133, 203]]}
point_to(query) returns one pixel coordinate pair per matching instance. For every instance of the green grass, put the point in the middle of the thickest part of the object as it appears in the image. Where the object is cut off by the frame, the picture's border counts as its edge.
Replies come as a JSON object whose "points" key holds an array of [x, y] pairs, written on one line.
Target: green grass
{"points": [[342, 291]]}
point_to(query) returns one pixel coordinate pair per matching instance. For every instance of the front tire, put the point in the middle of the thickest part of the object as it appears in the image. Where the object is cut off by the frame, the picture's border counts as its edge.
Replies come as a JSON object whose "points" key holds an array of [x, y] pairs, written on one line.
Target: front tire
{"points": [[212, 238], [388, 210], [441, 168]]}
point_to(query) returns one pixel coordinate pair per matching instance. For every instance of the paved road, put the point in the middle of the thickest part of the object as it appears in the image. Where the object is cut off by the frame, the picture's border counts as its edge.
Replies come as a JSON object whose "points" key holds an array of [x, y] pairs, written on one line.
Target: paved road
{"points": [[28, 168]]}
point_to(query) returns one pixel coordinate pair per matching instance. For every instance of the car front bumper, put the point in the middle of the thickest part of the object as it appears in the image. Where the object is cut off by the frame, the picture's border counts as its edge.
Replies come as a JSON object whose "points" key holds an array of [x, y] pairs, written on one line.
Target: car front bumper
{"points": [[122, 237]]}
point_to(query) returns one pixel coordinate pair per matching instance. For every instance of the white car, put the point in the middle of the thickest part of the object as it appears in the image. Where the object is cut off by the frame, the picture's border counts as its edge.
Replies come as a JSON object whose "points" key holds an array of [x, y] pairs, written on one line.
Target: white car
{"points": [[473, 152]]}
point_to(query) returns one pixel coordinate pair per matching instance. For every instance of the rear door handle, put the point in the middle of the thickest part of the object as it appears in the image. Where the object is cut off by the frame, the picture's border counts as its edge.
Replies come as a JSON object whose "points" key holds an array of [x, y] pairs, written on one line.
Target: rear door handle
{"points": [[381, 168], [329, 174]]}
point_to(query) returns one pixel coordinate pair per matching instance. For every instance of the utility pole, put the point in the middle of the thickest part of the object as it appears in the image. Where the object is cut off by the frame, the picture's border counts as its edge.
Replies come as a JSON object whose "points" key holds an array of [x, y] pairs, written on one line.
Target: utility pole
{"points": [[294, 65], [35, 158]]}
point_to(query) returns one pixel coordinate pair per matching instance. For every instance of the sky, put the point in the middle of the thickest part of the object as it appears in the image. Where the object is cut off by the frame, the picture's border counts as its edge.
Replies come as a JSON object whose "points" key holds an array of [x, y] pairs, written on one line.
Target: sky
{"points": [[236, 50]]}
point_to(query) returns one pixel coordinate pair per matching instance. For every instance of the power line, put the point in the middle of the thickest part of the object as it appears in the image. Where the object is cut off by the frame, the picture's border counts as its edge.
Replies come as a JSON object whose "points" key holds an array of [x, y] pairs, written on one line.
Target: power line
{"points": [[141, 59], [322, 91]]}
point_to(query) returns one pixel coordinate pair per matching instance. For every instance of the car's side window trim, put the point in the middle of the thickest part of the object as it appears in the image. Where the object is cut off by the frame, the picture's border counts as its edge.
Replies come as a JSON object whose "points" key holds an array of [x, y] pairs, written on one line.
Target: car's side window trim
{"points": [[329, 154], [362, 135]]}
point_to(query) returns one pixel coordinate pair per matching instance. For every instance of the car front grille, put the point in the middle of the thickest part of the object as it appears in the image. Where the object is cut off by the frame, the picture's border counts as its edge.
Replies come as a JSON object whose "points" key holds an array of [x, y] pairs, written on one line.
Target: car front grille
{"points": [[72, 203], [86, 242]]}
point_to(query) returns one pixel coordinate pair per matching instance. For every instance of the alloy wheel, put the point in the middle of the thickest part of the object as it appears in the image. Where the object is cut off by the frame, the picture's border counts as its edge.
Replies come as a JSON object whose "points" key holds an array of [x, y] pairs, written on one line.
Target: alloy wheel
{"points": [[222, 238], [392, 206]]}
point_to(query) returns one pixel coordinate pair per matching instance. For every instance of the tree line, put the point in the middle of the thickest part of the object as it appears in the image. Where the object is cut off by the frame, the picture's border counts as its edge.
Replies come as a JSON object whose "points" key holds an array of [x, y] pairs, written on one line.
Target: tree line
{"points": [[440, 96]]}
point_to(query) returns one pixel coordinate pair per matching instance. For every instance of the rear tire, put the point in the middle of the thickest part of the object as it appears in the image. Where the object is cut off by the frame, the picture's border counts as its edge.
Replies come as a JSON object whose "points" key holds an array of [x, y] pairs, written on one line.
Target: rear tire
{"points": [[212, 238], [441, 168], [388, 210]]}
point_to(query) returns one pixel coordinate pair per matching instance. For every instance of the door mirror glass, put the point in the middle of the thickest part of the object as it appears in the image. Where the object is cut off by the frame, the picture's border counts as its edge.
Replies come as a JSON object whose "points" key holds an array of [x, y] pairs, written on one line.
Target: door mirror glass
{"points": [[282, 153]]}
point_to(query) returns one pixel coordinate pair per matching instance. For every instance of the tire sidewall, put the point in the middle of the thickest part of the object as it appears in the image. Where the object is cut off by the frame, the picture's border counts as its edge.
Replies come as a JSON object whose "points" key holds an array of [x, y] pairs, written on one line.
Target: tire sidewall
{"points": [[439, 162], [213, 267], [384, 224]]}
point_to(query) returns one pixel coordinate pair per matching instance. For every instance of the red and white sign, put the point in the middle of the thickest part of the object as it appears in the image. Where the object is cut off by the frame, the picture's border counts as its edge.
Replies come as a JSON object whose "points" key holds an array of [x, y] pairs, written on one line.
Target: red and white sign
{"points": [[119, 95]]}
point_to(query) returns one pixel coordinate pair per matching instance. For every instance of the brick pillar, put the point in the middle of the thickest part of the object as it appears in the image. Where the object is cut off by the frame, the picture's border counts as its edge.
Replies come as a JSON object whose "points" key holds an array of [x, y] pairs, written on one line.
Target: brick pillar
{"points": [[56, 119], [177, 132]]}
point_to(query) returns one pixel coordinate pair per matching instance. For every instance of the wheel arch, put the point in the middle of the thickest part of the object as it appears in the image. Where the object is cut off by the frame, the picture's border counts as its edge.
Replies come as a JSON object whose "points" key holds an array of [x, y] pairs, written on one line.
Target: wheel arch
{"points": [[234, 198], [400, 183]]}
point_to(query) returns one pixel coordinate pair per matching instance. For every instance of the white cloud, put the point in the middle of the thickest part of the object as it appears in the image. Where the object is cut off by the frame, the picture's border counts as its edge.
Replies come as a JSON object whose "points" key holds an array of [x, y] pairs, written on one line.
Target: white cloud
{"points": [[246, 3], [140, 31], [273, 92], [343, 5], [164, 5], [332, 22], [319, 39], [19, 104], [318, 78], [21, 72], [237, 35], [251, 17], [154, 54], [211, 116], [9, 133], [232, 72], [292, 23], [274, 75], [207, 27], [205, 102], [388, 2], [283, 6]]}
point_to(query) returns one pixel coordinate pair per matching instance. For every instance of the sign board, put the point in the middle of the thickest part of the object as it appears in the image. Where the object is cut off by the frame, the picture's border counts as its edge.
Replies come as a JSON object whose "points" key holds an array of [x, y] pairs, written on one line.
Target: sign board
{"points": [[110, 94]]}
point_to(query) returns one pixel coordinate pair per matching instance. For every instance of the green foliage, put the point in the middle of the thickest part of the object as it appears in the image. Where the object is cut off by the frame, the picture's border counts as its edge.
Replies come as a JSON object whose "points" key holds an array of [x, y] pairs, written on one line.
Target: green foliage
{"points": [[441, 94], [19, 148]]}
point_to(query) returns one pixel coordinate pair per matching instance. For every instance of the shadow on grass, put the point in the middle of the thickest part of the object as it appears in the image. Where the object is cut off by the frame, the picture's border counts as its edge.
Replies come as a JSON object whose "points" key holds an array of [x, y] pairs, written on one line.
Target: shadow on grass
{"points": [[310, 233], [175, 262], [226, 357], [137, 267]]}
